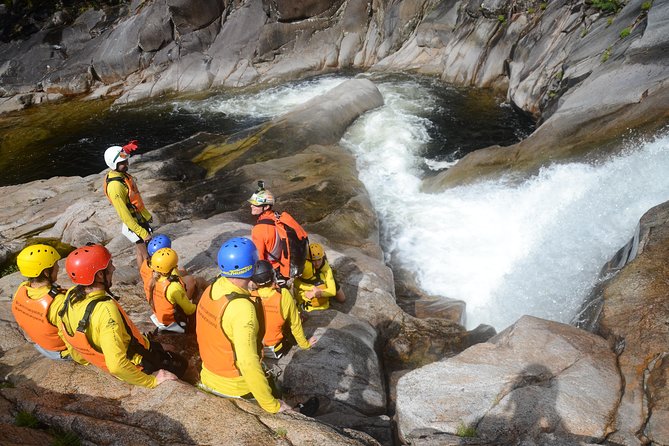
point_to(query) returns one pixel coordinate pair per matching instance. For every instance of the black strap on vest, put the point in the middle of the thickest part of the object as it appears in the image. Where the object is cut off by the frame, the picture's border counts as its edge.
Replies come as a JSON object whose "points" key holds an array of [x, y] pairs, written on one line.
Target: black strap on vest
{"points": [[55, 290]]}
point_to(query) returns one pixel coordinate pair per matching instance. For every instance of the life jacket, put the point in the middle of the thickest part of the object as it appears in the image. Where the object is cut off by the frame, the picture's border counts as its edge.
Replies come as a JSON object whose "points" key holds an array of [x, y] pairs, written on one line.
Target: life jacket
{"points": [[274, 320], [134, 202], [218, 352], [79, 341], [163, 308], [316, 279], [291, 244], [146, 273], [31, 315]]}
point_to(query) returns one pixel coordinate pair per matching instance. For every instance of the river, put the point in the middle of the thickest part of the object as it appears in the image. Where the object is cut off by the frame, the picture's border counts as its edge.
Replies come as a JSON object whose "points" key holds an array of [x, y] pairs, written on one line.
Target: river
{"points": [[503, 247]]}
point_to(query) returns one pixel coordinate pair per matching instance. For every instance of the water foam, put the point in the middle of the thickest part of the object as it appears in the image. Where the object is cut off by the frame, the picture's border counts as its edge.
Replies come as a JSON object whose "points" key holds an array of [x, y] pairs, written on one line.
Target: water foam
{"points": [[505, 249]]}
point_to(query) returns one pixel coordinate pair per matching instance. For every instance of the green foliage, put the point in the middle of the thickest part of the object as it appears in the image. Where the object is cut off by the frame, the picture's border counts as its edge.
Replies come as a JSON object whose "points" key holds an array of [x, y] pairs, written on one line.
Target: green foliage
{"points": [[606, 54], [543, 6], [552, 94], [466, 431], [645, 6], [609, 21], [501, 19], [558, 75], [26, 419], [584, 32], [606, 5], [281, 432], [63, 438], [530, 10], [625, 32], [6, 385], [8, 269]]}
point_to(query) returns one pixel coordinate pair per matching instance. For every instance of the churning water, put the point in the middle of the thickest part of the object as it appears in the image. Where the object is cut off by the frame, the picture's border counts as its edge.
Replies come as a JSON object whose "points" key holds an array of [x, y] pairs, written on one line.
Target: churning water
{"points": [[506, 249]]}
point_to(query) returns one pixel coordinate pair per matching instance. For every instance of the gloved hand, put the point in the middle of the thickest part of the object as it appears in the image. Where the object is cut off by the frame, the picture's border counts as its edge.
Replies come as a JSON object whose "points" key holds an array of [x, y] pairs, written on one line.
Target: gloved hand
{"points": [[130, 147]]}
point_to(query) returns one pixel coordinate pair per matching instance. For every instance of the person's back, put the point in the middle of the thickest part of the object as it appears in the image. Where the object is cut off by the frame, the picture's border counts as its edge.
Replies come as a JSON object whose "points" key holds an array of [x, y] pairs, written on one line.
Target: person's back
{"points": [[278, 237], [166, 293], [36, 302], [279, 310], [227, 331], [97, 331]]}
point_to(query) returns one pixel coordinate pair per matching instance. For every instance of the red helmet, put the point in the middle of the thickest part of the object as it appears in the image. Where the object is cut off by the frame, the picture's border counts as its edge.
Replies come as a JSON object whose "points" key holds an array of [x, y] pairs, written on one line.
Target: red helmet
{"points": [[82, 263]]}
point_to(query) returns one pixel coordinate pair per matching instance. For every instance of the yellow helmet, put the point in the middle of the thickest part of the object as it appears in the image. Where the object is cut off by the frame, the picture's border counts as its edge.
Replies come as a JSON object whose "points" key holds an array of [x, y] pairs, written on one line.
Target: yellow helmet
{"points": [[164, 260], [36, 258], [316, 252]]}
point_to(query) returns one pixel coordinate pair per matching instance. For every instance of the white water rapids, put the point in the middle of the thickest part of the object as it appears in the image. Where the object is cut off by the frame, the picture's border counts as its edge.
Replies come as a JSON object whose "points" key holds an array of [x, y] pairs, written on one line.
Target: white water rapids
{"points": [[505, 249]]}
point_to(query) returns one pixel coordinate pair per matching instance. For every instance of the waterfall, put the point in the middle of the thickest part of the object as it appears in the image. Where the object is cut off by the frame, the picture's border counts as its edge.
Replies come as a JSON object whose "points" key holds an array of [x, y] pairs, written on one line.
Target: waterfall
{"points": [[505, 248]]}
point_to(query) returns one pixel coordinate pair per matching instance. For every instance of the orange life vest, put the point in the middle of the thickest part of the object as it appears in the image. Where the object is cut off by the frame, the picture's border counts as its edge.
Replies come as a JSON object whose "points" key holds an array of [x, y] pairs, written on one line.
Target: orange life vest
{"points": [[218, 353], [286, 242], [31, 315], [163, 308], [146, 273], [134, 203], [274, 320], [79, 341]]}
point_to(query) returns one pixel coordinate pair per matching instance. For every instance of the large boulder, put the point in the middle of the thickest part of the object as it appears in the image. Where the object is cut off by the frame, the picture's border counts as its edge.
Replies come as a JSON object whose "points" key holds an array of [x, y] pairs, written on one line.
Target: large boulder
{"points": [[634, 313], [535, 381]]}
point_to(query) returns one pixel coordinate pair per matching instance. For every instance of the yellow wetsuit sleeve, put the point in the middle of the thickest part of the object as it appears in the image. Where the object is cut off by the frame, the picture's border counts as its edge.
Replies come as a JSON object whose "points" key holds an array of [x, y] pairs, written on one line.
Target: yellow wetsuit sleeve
{"points": [[118, 194], [292, 316], [328, 289], [55, 307], [240, 324], [176, 295], [109, 333]]}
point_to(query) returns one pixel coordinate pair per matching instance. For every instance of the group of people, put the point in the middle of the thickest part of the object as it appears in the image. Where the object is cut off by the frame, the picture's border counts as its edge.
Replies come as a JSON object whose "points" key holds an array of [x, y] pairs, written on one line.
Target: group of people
{"points": [[246, 314]]}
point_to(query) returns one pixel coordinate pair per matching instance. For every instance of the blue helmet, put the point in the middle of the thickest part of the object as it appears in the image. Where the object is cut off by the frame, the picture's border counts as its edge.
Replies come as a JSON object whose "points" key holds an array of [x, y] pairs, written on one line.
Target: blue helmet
{"points": [[157, 242], [237, 258]]}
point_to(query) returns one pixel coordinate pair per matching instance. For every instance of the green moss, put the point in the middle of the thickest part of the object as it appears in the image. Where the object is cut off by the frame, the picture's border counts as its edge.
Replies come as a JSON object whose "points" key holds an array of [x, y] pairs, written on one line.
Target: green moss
{"points": [[543, 6], [609, 21], [606, 5], [606, 54], [64, 438], [625, 32], [645, 6], [530, 10], [466, 431], [26, 419], [501, 19], [281, 432]]}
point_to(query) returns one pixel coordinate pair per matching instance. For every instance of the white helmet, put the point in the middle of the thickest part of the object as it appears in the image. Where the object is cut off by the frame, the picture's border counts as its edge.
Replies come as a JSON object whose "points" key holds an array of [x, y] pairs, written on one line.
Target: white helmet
{"points": [[115, 155]]}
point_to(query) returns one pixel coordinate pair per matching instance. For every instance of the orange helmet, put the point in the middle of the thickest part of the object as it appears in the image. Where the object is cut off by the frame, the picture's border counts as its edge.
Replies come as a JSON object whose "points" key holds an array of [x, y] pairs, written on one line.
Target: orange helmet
{"points": [[83, 263]]}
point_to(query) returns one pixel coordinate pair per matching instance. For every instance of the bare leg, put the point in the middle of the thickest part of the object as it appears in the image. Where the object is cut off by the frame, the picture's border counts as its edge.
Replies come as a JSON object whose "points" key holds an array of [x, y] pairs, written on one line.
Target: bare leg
{"points": [[340, 297], [141, 253]]}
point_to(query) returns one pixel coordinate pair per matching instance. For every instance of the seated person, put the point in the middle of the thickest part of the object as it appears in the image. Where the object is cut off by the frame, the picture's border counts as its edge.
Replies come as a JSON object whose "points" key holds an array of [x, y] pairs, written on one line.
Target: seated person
{"points": [[317, 284], [166, 293], [279, 311], [98, 331], [191, 283], [37, 301]]}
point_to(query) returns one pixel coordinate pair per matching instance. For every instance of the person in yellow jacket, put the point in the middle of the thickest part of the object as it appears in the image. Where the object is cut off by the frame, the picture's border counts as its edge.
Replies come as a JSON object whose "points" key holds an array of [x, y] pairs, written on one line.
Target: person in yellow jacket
{"points": [[317, 284], [121, 190], [279, 310], [37, 301], [97, 331], [228, 331], [166, 293]]}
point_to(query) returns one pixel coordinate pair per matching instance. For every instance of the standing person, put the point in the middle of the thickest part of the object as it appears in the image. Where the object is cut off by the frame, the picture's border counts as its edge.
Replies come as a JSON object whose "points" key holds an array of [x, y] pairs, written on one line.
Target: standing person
{"points": [[279, 311], [121, 190], [166, 293], [37, 301], [278, 237], [229, 333], [96, 330], [317, 284]]}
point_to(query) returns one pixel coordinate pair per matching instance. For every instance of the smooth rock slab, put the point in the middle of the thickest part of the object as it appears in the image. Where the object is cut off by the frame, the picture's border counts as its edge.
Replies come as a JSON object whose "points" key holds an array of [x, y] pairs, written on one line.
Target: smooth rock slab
{"points": [[534, 379]]}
